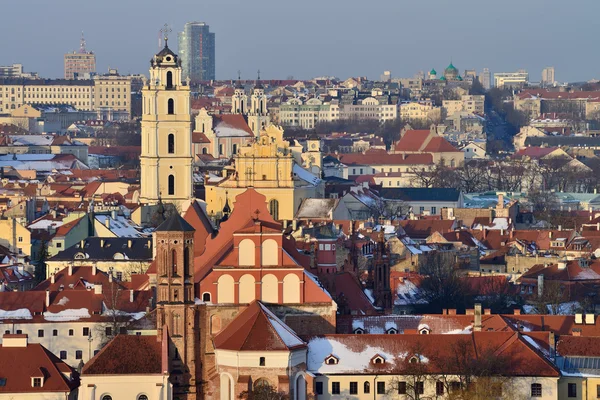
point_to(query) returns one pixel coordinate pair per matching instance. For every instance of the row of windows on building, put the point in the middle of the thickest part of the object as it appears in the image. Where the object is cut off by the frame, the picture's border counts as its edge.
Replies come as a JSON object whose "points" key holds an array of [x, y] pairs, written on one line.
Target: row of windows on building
{"points": [[71, 332], [404, 387]]}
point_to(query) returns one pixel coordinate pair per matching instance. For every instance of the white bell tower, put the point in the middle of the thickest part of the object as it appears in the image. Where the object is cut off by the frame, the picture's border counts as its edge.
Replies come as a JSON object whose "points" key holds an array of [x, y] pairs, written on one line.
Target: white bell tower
{"points": [[166, 159], [258, 116]]}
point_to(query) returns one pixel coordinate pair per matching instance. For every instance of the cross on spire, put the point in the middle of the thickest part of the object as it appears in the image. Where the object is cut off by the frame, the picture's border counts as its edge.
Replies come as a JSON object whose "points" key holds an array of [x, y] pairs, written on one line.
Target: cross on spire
{"points": [[259, 74], [239, 75], [165, 31]]}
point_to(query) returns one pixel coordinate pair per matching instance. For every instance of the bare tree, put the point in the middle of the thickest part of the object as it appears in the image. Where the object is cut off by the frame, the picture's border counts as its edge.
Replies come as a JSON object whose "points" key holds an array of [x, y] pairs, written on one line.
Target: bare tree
{"points": [[442, 286], [263, 391], [416, 374]]}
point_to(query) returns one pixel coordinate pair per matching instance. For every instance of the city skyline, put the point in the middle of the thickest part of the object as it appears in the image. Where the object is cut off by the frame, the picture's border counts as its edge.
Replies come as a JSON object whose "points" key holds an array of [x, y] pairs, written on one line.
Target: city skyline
{"points": [[304, 47]]}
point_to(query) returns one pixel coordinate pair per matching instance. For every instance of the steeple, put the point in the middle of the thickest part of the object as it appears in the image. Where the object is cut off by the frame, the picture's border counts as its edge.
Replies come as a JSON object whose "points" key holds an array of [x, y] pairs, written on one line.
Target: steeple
{"points": [[258, 82]]}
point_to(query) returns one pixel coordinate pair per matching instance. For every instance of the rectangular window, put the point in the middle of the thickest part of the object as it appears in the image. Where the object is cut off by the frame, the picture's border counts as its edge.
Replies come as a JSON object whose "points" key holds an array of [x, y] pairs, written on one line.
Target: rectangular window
{"points": [[401, 387], [335, 388], [108, 331], [55, 332], [319, 387], [572, 389], [536, 390], [420, 387], [261, 361], [598, 391], [380, 387], [439, 388], [433, 210], [79, 354], [86, 331], [37, 382], [421, 210], [63, 354], [353, 387], [40, 333]]}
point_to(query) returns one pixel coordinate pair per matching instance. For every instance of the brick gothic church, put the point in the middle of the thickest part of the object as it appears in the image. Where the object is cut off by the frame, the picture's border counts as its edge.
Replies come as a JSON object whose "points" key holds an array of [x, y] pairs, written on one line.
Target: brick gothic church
{"points": [[235, 303]]}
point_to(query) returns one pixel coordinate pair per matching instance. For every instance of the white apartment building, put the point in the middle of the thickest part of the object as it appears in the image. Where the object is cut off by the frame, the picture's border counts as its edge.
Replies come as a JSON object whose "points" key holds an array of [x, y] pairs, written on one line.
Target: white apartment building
{"points": [[511, 79]]}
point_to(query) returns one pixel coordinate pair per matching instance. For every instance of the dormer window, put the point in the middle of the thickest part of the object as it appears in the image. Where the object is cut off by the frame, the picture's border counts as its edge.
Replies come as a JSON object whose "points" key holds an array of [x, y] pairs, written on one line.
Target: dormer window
{"points": [[359, 331], [378, 359], [37, 382], [331, 360], [424, 330], [413, 360], [392, 331]]}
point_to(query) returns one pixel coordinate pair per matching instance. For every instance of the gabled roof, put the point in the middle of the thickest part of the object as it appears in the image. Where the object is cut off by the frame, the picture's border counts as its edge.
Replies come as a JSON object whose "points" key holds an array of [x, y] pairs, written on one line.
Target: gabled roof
{"points": [[412, 140], [438, 144], [20, 364], [256, 329], [127, 355], [231, 125]]}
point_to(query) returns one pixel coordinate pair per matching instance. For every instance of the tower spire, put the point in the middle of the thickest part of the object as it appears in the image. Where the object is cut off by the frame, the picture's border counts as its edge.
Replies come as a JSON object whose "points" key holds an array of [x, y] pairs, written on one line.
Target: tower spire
{"points": [[165, 31]]}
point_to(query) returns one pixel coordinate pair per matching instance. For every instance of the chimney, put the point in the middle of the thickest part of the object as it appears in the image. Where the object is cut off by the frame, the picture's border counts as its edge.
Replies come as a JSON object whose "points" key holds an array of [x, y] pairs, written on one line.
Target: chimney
{"points": [[550, 234], [562, 263], [598, 226], [500, 200], [82, 244], [52, 278], [487, 311], [540, 285], [131, 296], [576, 332], [113, 214], [94, 269], [107, 223], [70, 269], [452, 311], [294, 225], [97, 288], [477, 323], [129, 243], [285, 224], [517, 311], [110, 277], [560, 228], [590, 319], [101, 243], [47, 298], [578, 319], [469, 311]]}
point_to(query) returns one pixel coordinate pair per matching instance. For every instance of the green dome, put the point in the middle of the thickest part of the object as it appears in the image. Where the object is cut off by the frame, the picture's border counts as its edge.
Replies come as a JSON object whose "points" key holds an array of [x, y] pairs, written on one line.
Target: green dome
{"points": [[451, 68], [443, 78], [433, 72]]}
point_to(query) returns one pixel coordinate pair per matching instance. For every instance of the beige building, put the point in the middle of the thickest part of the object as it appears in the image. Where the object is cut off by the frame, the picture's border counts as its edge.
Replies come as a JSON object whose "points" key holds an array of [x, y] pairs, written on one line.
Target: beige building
{"points": [[108, 95], [166, 160], [79, 64], [307, 114], [511, 79], [422, 110], [272, 168], [467, 103], [369, 108], [15, 237]]}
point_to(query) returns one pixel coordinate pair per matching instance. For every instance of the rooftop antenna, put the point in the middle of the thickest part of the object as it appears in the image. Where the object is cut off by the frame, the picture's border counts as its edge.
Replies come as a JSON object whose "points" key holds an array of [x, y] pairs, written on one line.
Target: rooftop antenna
{"points": [[82, 44]]}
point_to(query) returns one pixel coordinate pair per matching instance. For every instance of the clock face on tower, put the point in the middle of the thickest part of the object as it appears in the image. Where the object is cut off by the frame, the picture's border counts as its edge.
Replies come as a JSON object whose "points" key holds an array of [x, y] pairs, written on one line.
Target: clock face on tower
{"points": [[314, 146]]}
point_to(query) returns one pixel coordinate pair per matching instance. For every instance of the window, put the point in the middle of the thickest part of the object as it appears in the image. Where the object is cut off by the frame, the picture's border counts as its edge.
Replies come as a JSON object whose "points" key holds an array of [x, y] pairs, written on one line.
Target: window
{"points": [[40, 333], [454, 386], [234, 149], [106, 397], [19, 331], [274, 209], [380, 387], [353, 387], [421, 210], [367, 388], [108, 331], [598, 391], [536, 390], [169, 80], [319, 387], [433, 210], [171, 143], [37, 382], [439, 388], [78, 354], [171, 185], [572, 390], [58, 245], [335, 388], [71, 332], [261, 361], [142, 397], [63, 354], [171, 107], [402, 387], [420, 387], [206, 297], [55, 332]]}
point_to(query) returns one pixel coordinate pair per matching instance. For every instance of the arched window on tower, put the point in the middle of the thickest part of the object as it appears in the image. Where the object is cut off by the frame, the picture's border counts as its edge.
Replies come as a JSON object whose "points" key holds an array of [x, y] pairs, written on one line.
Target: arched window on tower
{"points": [[171, 143], [171, 185], [274, 209], [173, 262], [171, 107], [186, 261], [169, 80]]}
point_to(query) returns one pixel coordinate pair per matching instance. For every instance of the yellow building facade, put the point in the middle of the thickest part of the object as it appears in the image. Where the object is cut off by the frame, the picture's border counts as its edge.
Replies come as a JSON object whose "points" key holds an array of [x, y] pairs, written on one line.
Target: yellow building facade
{"points": [[166, 159], [268, 165]]}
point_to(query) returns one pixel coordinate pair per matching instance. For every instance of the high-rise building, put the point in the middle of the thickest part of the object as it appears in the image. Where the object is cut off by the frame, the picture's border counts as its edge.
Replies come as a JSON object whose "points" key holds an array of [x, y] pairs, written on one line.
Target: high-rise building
{"points": [[511, 79], [197, 52], [80, 64], [15, 71], [548, 76], [486, 79]]}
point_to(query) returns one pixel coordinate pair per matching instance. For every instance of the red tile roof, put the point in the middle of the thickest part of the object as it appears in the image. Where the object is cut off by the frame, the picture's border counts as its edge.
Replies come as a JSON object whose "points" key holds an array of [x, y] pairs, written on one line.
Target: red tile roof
{"points": [[534, 152], [23, 363], [232, 121], [199, 137], [440, 145], [127, 355], [412, 140], [578, 346], [385, 159], [257, 329]]}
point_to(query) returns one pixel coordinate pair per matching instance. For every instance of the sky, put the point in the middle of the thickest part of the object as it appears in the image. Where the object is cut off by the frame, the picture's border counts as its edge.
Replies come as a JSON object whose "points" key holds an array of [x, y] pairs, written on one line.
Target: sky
{"points": [[308, 38]]}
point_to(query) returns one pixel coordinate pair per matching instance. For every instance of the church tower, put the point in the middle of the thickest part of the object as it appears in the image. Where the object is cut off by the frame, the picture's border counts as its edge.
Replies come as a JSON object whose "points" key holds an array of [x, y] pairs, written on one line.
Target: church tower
{"points": [[381, 274], [166, 159], [175, 297], [258, 116], [239, 101]]}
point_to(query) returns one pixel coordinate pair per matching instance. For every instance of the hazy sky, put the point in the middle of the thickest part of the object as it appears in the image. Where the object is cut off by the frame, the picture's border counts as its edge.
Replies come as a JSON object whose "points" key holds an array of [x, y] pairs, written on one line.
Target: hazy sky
{"points": [[306, 38]]}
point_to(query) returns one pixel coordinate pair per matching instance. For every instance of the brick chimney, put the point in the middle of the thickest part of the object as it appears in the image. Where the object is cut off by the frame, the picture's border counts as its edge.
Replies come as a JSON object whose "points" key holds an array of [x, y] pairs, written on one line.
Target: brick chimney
{"points": [[517, 311], [477, 322]]}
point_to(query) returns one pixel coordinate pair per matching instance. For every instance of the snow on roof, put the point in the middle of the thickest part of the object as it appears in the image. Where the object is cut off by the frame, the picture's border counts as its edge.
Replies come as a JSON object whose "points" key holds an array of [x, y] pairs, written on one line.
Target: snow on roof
{"points": [[121, 226], [316, 281], [67, 315], [349, 360], [305, 175], [285, 333], [21, 313], [44, 224]]}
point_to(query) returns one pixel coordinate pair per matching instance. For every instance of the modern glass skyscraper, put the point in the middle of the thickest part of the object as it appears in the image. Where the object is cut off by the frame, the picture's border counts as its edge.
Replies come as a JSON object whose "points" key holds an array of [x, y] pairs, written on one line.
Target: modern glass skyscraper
{"points": [[197, 52]]}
